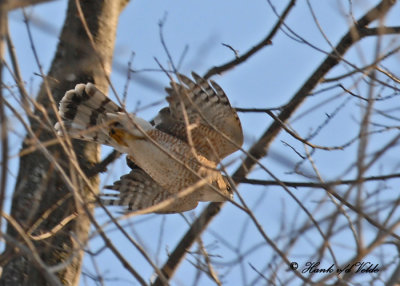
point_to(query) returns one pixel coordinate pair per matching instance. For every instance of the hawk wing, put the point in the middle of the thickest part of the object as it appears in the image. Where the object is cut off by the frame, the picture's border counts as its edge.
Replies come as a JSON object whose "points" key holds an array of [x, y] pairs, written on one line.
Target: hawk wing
{"points": [[214, 125], [137, 190]]}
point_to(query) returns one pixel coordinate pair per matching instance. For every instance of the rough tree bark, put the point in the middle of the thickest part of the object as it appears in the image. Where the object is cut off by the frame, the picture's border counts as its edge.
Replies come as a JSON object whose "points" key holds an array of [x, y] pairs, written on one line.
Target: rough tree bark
{"points": [[38, 185]]}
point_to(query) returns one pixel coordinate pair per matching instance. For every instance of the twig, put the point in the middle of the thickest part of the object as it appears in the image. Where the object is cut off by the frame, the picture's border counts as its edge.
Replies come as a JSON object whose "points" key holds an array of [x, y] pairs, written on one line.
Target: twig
{"points": [[17, 73], [164, 44], [210, 269], [294, 135], [3, 117], [128, 77], [366, 68], [256, 110], [179, 252], [16, 4], [260, 274], [265, 42], [235, 52], [318, 185], [182, 57]]}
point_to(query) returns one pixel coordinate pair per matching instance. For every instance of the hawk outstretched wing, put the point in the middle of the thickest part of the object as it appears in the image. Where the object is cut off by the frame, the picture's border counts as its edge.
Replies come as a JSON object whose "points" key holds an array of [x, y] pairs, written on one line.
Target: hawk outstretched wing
{"points": [[214, 125]]}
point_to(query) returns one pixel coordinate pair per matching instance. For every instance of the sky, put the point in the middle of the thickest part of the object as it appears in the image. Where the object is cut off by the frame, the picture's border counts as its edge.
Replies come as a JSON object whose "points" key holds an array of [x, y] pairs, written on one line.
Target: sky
{"points": [[268, 79]]}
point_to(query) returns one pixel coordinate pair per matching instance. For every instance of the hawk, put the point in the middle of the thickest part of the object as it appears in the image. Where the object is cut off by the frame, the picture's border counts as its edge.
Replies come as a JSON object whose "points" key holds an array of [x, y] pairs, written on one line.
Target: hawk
{"points": [[174, 158]]}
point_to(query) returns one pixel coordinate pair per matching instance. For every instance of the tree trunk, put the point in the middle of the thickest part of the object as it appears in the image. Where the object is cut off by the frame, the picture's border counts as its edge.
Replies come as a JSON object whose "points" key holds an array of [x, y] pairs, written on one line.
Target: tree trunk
{"points": [[39, 185]]}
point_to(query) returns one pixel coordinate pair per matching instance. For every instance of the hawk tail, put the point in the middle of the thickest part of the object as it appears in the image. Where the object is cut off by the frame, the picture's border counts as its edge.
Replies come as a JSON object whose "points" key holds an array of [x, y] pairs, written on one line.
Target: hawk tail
{"points": [[83, 110]]}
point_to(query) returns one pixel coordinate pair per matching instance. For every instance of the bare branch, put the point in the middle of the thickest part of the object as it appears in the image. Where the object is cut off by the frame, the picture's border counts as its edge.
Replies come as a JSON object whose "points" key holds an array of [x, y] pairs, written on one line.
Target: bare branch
{"points": [[265, 42], [323, 185], [16, 4], [296, 136], [3, 117], [259, 149]]}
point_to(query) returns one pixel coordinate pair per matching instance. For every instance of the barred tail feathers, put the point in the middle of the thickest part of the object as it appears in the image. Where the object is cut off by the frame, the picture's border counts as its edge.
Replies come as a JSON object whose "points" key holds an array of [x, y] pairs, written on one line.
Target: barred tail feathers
{"points": [[87, 114], [83, 110]]}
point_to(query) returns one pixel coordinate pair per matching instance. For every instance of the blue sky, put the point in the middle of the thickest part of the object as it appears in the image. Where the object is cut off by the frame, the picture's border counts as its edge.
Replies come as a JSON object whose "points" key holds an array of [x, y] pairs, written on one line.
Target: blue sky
{"points": [[268, 79]]}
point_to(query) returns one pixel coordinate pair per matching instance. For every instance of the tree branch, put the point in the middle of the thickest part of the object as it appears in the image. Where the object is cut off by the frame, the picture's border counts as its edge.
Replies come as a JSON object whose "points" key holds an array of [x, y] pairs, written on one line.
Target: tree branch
{"points": [[323, 185], [16, 4], [266, 41], [3, 117], [259, 149]]}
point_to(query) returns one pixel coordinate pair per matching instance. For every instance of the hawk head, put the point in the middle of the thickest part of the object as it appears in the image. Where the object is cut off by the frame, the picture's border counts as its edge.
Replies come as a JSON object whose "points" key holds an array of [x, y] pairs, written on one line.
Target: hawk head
{"points": [[218, 191]]}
